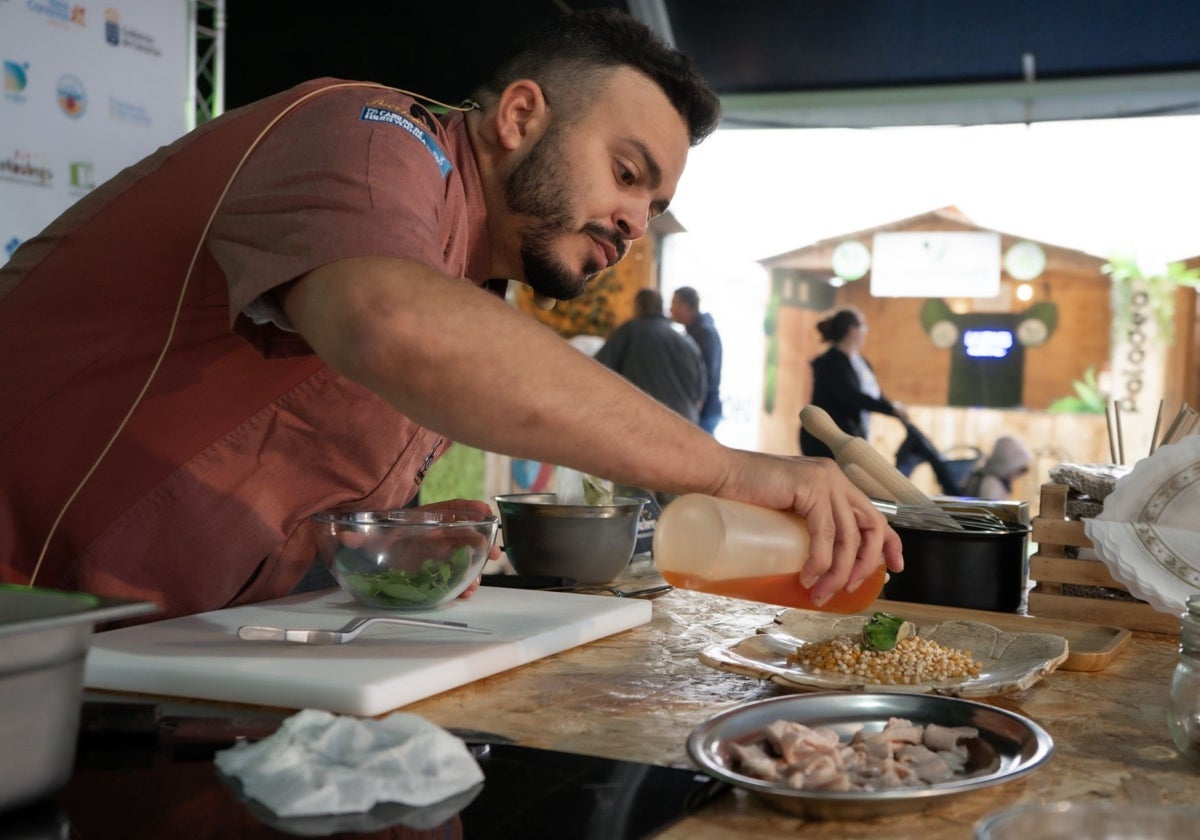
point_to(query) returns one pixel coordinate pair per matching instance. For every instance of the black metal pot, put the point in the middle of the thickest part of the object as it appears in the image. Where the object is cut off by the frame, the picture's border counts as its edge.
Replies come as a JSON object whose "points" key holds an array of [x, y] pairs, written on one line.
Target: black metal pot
{"points": [[970, 569]]}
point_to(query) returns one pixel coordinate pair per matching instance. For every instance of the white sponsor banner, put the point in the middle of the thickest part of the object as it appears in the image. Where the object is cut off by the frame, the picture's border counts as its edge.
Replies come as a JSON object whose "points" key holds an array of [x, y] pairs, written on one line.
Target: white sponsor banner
{"points": [[88, 89], [945, 264]]}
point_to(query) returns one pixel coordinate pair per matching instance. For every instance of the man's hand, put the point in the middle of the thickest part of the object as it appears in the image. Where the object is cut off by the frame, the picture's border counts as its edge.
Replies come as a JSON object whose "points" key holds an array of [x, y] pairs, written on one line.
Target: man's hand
{"points": [[848, 536]]}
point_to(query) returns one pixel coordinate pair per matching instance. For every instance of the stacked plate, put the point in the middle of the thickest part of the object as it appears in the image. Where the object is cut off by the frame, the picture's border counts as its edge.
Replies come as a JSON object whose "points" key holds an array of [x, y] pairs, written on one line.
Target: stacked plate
{"points": [[1148, 534]]}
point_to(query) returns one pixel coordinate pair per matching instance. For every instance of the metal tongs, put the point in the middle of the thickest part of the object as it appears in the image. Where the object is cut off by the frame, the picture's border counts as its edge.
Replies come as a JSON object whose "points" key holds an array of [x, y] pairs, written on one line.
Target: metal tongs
{"points": [[920, 516], [346, 633]]}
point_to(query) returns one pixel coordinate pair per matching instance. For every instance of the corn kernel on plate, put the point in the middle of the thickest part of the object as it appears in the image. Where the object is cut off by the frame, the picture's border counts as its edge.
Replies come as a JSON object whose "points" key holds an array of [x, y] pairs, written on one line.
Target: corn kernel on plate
{"points": [[811, 651]]}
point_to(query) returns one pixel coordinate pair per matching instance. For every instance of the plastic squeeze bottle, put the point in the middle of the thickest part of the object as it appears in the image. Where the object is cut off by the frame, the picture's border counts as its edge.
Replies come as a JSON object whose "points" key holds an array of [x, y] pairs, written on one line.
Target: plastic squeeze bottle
{"points": [[744, 551]]}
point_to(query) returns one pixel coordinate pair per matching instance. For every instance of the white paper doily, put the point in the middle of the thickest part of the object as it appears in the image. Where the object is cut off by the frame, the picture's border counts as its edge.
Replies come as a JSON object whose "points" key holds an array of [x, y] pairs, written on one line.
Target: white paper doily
{"points": [[1148, 534]]}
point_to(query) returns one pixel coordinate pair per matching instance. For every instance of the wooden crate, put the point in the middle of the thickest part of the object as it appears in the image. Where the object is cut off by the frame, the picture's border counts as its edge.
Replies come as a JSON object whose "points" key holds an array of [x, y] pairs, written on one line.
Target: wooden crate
{"points": [[1052, 569]]}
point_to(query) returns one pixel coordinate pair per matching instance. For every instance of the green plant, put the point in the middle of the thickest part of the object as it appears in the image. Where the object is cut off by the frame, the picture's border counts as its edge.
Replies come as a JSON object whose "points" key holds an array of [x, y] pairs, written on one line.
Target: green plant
{"points": [[1160, 287], [1087, 399]]}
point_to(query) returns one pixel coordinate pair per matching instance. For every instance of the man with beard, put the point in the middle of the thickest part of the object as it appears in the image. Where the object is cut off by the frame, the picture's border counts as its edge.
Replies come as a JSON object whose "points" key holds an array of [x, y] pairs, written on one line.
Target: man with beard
{"points": [[290, 310]]}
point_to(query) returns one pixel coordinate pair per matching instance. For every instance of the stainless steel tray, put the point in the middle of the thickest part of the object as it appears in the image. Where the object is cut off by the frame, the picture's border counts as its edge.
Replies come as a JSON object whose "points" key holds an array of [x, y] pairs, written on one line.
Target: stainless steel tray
{"points": [[1020, 745], [45, 635]]}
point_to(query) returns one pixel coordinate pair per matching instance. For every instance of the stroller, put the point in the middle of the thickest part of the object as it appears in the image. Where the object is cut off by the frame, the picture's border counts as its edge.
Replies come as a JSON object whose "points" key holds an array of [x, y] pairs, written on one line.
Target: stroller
{"points": [[916, 448]]}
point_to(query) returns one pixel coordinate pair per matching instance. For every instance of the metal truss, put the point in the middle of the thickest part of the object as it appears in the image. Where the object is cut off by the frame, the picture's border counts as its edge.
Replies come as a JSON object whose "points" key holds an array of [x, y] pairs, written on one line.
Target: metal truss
{"points": [[206, 58]]}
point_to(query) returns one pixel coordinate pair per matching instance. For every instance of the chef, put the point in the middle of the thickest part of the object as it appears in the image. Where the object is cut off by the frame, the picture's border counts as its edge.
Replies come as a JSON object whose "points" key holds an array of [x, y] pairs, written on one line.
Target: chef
{"points": [[292, 308]]}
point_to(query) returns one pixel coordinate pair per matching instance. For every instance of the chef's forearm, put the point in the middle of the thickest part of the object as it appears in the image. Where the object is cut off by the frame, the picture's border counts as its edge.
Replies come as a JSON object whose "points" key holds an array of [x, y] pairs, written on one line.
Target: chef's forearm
{"points": [[461, 362]]}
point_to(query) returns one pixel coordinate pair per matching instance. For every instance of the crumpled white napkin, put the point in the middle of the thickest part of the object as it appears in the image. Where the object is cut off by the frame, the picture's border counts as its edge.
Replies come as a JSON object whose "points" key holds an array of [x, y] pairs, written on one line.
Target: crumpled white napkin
{"points": [[320, 763]]}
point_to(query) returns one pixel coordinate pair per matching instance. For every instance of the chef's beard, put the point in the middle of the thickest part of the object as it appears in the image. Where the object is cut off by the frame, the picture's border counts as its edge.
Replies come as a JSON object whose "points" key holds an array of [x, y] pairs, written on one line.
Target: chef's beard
{"points": [[537, 188]]}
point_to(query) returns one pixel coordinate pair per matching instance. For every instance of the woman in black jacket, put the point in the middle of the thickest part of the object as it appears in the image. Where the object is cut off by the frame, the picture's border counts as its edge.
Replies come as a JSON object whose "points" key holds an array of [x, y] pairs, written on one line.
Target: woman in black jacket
{"points": [[844, 383]]}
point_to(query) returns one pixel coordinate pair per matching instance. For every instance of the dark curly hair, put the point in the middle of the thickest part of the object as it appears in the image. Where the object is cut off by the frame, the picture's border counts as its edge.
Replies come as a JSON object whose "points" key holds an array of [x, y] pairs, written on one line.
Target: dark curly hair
{"points": [[564, 58]]}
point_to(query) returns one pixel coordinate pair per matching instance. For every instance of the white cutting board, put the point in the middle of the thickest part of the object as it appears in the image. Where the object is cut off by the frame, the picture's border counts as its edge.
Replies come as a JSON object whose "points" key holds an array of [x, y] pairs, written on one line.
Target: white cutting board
{"points": [[200, 656]]}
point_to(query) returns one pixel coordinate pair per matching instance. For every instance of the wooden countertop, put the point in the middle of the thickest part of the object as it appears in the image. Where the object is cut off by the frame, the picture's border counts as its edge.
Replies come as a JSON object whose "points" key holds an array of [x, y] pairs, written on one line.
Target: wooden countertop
{"points": [[638, 694]]}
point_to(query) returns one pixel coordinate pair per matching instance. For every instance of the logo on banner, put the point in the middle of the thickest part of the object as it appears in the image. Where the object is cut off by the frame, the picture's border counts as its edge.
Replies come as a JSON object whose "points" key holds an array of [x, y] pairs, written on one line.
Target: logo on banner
{"points": [[71, 95], [81, 176], [124, 36], [121, 110], [59, 12], [25, 168], [15, 80], [112, 26]]}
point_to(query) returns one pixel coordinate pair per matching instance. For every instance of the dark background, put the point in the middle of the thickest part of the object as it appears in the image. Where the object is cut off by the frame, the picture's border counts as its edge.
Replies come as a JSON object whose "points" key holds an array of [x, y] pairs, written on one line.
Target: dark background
{"points": [[443, 48], [439, 48]]}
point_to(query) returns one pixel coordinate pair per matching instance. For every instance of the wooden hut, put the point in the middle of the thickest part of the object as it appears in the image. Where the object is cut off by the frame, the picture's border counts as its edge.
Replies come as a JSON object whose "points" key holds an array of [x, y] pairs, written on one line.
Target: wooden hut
{"points": [[913, 370]]}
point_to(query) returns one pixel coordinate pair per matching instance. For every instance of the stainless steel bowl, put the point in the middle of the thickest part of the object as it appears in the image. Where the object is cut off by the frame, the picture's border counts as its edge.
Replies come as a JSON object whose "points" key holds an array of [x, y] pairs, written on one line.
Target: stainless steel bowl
{"points": [[45, 635], [588, 543], [1020, 745]]}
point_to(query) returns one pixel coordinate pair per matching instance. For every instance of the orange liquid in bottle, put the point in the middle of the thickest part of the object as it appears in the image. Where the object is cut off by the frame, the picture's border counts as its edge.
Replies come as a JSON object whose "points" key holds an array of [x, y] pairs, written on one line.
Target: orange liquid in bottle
{"points": [[784, 590]]}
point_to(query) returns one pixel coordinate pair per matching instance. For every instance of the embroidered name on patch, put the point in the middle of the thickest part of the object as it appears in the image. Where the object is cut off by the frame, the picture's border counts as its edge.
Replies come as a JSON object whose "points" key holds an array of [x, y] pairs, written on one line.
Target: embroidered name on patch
{"points": [[372, 114]]}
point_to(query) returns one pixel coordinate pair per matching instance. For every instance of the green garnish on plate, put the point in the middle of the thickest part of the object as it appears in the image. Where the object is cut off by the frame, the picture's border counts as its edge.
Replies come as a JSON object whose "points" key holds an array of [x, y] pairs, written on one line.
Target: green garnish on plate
{"points": [[883, 631]]}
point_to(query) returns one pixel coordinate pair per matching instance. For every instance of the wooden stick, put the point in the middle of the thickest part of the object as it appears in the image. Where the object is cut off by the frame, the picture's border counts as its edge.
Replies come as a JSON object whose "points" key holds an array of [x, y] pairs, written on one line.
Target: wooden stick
{"points": [[1194, 427], [848, 449], [1120, 438], [1182, 424], [1112, 440], [1157, 423], [1169, 434]]}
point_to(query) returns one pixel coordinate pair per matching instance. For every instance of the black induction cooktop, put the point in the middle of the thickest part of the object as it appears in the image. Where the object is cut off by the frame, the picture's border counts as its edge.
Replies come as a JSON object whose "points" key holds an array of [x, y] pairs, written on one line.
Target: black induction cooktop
{"points": [[147, 776]]}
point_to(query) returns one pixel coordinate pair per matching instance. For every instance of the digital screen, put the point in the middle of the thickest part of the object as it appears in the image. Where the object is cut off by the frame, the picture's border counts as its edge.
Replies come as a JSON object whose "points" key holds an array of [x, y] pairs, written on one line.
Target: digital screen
{"points": [[987, 344]]}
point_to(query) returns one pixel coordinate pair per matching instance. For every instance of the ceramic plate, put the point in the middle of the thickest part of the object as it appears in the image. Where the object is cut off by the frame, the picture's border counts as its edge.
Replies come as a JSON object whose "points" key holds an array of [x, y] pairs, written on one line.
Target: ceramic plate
{"points": [[1011, 661], [1018, 746], [1147, 534]]}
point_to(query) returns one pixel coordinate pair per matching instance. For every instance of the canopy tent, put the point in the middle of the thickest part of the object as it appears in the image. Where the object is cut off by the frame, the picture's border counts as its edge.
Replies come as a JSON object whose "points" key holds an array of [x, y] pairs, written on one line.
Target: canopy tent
{"points": [[779, 63]]}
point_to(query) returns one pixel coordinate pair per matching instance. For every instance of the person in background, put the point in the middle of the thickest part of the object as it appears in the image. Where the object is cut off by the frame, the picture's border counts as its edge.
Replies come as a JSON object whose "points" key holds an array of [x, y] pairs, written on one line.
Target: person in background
{"points": [[685, 310], [297, 305], [917, 449], [648, 352], [844, 383], [1009, 460]]}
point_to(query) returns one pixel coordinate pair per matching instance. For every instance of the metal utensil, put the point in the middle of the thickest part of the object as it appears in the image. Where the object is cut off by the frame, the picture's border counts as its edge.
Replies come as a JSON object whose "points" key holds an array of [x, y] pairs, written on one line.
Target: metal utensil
{"points": [[346, 633], [551, 583], [647, 592], [919, 516]]}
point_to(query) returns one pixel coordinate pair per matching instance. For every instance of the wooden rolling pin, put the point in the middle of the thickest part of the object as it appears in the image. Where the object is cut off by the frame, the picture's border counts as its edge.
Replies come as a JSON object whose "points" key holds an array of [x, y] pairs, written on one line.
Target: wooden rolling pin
{"points": [[867, 469]]}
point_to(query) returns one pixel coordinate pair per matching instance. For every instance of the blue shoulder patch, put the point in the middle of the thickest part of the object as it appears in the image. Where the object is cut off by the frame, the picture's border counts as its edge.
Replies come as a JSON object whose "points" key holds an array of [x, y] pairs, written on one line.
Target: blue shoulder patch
{"points": [[371, 113]]}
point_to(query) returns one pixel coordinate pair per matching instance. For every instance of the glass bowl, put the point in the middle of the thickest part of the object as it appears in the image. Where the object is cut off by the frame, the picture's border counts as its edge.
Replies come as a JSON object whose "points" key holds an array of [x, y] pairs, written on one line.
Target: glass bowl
{"points": [[408, 559]]}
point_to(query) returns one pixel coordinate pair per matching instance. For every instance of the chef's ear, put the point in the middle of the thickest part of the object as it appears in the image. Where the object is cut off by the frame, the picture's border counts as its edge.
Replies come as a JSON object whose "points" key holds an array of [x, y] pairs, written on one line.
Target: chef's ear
{"points": [[522, 114]]}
